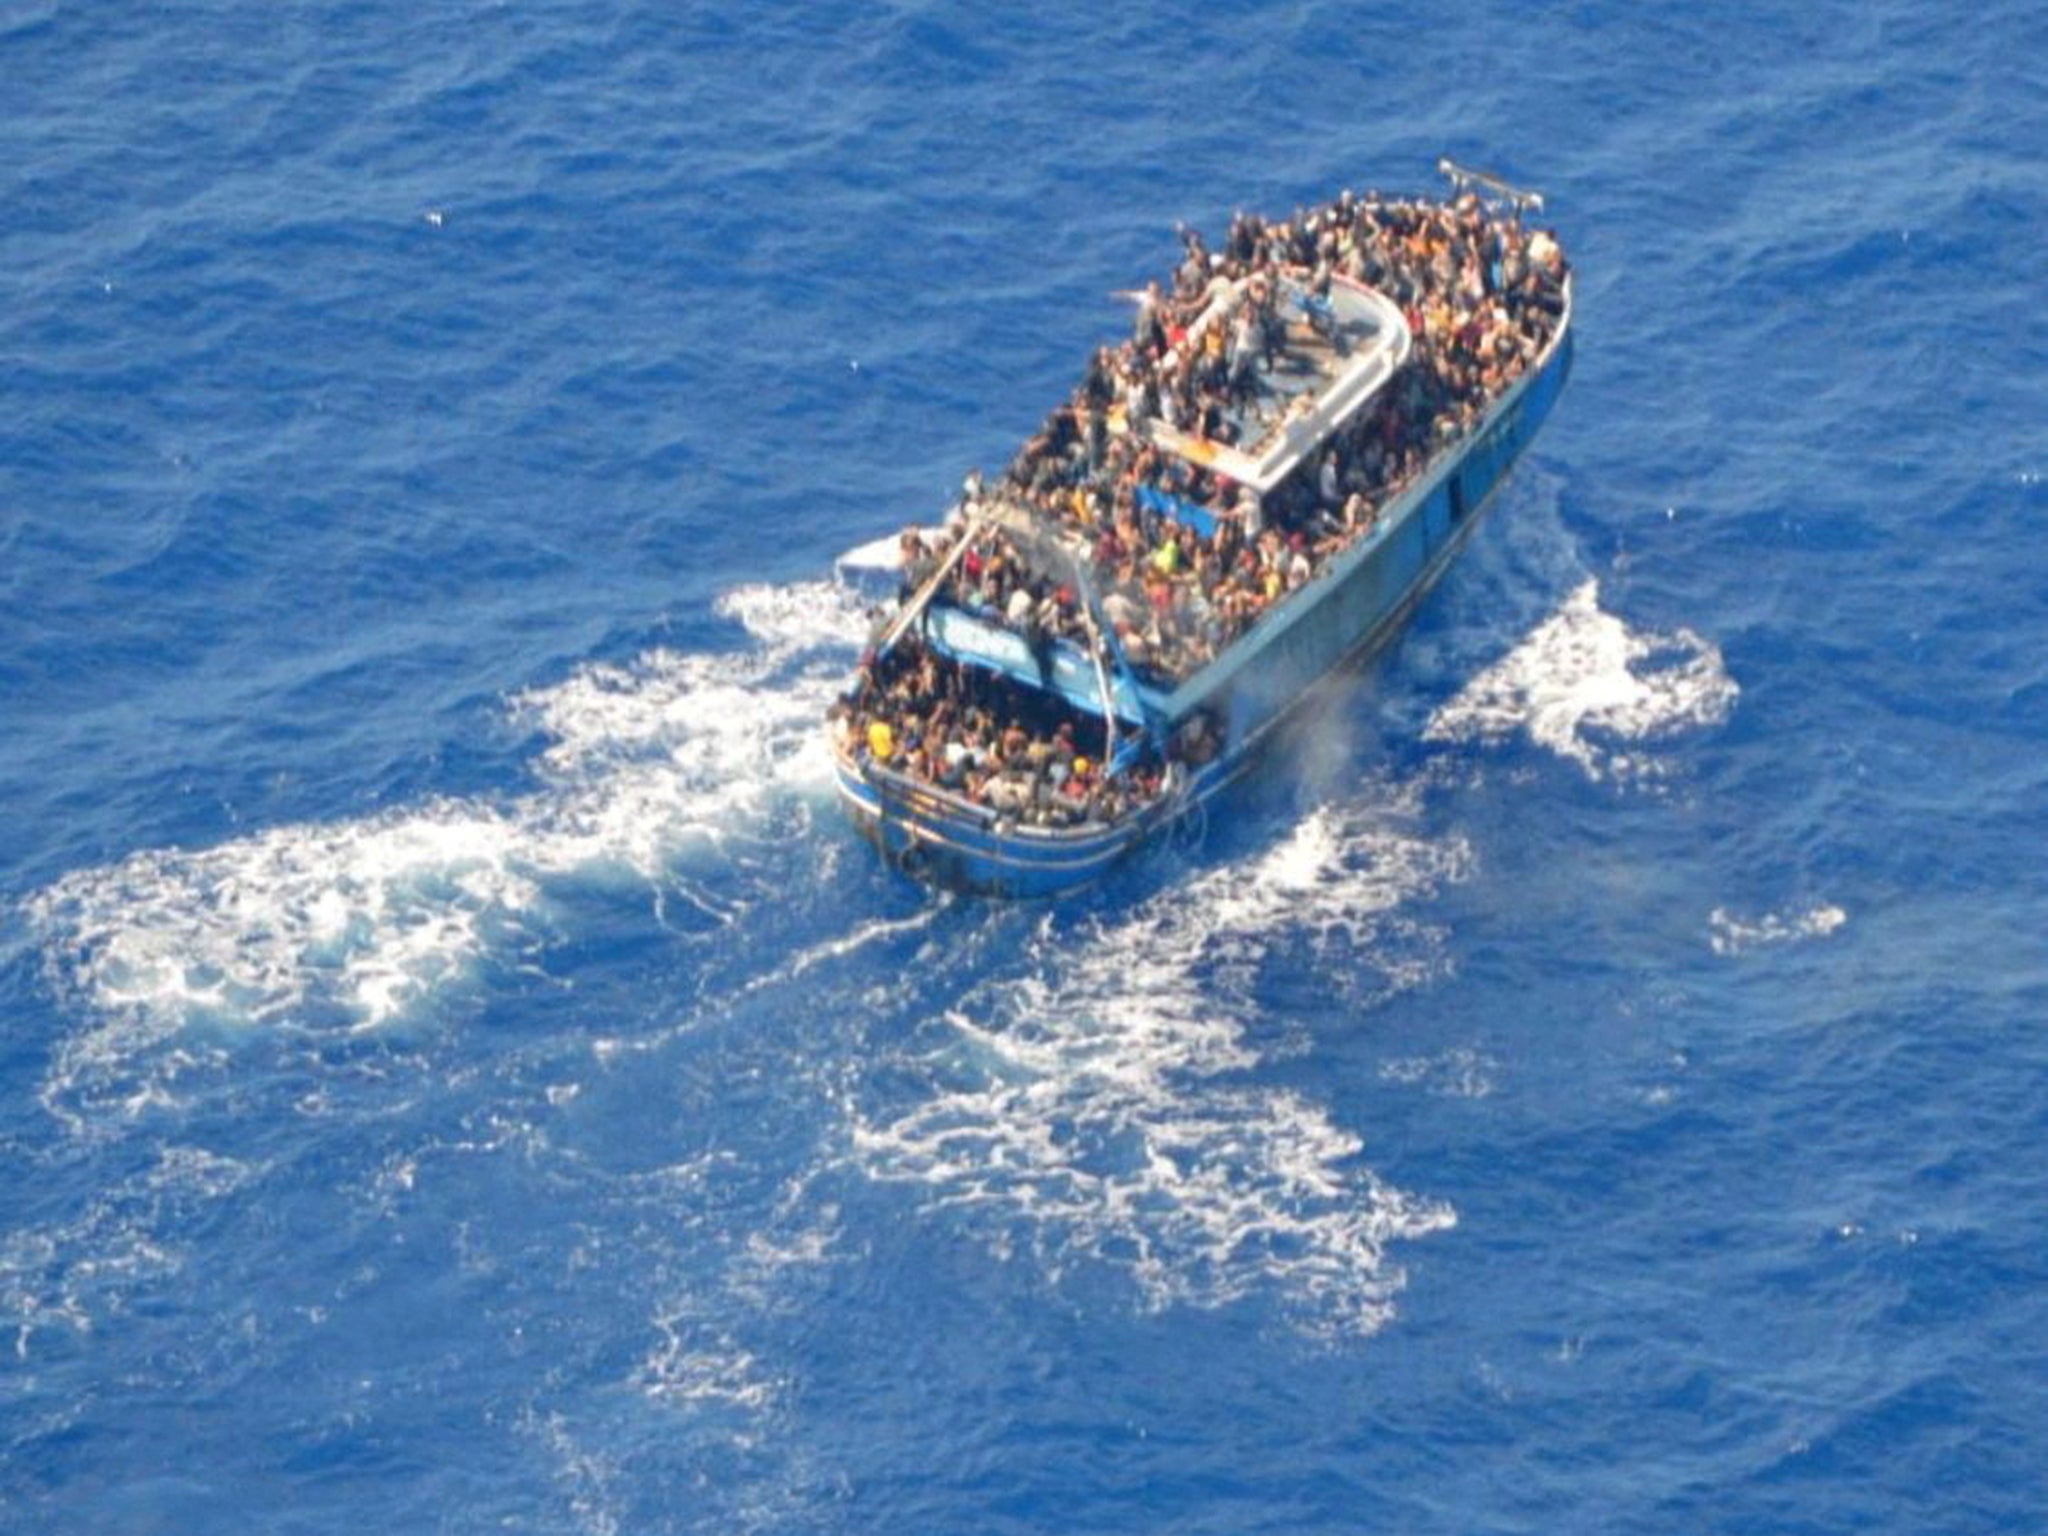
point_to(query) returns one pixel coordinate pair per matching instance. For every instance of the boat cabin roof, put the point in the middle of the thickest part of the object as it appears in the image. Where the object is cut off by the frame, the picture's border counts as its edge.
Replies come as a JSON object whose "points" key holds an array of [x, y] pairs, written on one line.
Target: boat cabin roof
{"points": [[1343, 348]]}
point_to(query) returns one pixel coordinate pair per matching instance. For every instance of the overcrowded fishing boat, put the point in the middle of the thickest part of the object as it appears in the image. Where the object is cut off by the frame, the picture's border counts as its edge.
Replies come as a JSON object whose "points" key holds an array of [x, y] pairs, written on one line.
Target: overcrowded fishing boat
{"points": [[1251, 490]]}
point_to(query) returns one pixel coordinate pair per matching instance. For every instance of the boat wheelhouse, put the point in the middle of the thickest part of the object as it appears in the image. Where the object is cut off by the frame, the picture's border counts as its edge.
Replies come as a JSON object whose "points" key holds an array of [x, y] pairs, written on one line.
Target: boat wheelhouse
{"points": [[1252, 491]]}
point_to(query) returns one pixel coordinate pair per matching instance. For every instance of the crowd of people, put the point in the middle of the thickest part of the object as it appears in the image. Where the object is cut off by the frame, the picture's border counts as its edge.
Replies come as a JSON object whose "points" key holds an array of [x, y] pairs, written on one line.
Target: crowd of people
{"points": [[1181, 561], [1481, 296], [1022, 755]]}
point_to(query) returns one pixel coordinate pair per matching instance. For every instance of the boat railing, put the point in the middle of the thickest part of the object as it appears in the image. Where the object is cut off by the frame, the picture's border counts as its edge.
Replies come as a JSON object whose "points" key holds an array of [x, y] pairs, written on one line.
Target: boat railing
{"points": [[907, 788], [927, 798]]}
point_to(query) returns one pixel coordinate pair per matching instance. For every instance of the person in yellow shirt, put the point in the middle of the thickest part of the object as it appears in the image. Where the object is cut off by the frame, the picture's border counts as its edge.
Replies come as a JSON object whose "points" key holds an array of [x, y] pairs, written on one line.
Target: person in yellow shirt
{"points": [[1166, 558]]}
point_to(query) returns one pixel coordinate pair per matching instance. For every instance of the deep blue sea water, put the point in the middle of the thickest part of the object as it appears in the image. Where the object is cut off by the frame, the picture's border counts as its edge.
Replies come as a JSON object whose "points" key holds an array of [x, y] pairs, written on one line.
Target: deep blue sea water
{"points": [[457, 1071]]}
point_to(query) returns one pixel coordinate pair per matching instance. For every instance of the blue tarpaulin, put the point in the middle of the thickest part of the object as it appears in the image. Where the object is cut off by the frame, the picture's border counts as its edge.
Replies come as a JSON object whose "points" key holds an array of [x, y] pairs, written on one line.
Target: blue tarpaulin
{"points": [[1179, 509]]}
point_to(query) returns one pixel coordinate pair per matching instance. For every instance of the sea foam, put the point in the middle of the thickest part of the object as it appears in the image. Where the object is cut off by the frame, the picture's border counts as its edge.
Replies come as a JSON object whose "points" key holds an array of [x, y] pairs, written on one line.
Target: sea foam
{"points": [[1104, 1103], [1732, 935], [1586, 687], [349, 925]]}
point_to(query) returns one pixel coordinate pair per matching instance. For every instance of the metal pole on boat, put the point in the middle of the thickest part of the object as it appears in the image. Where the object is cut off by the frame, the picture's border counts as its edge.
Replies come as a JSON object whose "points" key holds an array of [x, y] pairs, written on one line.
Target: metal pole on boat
{"points": [[921, 599], [1096, 646]]}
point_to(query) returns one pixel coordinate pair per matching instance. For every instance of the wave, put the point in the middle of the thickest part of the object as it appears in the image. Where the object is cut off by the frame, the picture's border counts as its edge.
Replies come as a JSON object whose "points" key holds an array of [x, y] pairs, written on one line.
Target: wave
{"points": [[1585, 686]]}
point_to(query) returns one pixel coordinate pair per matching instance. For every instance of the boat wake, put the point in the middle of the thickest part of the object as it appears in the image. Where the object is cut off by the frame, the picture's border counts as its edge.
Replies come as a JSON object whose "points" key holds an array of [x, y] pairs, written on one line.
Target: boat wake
{"points": [[352, 925], [1103, 1106], [1102, 1102], [1587, 688]]}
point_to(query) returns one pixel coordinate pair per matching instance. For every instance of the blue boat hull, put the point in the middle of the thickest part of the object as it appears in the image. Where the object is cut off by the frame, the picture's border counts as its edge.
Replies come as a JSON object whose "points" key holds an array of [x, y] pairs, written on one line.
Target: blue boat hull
{"points": [[944, 842], [1348, 612]]}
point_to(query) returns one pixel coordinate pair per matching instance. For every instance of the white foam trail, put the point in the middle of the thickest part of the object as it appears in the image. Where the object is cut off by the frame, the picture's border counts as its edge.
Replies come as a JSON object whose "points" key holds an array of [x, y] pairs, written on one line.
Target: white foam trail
{"points": [[1585, 686], [352, 924], [1731, 935], [860, 936], [1103, 1104]]}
